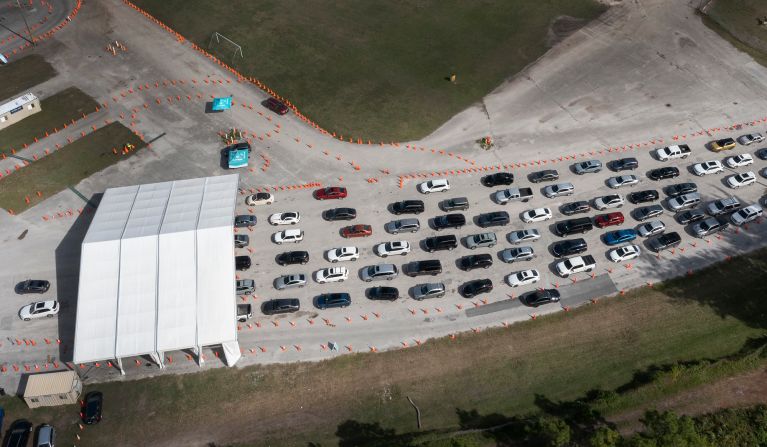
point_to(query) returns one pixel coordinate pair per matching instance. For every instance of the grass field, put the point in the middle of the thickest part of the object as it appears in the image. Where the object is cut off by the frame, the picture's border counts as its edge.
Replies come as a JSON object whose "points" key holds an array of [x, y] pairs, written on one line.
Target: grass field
{"points": [[57, 110], [18, 76], [615, 343], [66, 167], [376, 69], [736, 21]]}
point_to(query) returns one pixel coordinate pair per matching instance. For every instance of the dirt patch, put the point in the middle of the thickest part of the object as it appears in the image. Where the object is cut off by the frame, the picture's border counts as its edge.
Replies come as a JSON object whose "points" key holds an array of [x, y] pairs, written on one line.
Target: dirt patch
{"points": [[742, 390], [562, 27]]}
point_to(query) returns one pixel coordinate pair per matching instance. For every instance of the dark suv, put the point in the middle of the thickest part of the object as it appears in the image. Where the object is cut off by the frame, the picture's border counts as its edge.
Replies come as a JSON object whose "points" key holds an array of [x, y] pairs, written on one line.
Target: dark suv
{"points": [[494, 219], [680, 189], [475, 287], [446, 242], [455, 204], [428, 267], [665, 241], [281, 306], [18, 433], [569, 247], [648, 195], [499, 178], [383, 293], [572, 226], [327, 300], [92, 407], [472, 262], [293, 257], [544, 176], [624, 164], [408, 207], [455, 220], [242, 262]]}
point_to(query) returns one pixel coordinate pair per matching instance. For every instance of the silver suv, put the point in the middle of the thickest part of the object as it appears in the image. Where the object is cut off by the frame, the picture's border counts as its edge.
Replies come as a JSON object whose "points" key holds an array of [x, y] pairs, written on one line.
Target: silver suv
{"points": [[428, 290], [396, 226], [379, 271], [708, 227], [245, 286], [481, 240], [684, 202], [514, 254], [722, 206]]}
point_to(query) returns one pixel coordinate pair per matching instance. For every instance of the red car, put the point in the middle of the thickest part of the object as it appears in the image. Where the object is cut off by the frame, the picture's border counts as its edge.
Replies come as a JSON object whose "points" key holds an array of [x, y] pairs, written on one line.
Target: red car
{"points": [[357, 231], [276, 106], [609, 219], [331, 192]]}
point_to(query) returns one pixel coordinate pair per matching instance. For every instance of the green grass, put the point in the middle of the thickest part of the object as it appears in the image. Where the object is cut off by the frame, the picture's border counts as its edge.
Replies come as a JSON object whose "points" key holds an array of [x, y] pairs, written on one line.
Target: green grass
{"points": [[66, 167], [22, 74], [376, 69], [736, 22], [57, 110], [610, 345]]}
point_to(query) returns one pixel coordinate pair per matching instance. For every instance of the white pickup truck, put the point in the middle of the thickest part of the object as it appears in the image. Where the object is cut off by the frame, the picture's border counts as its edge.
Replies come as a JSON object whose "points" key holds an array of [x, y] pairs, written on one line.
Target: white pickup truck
{"points": [[672, 152], [576, 264]]}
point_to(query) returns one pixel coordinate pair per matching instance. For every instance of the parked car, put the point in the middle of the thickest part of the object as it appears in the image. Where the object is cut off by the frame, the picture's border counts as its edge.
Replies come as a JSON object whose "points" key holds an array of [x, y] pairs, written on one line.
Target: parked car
{"points": [[481, 240], [330, 300], [293, 257], [379, 271], [428, 267], [527, 235], [289, 218], [707, 167], [436, 185], [288, 281], [494, 219], [259, 198], [724, 144], [454, 220], [18, 434], [332, 274], [435, 243], [505, 196], [624, 164], [340, 214], [750, 138], [241, 240], [428, 290], [475, 287], [690, 216], [569, 247], [620, 236], [383, 293], [546, 175], [573, 226], [609, 219], [92, 407], [647, 212], [665, 241], [536, 215], [708, 227], [482, 260], [663, 173], [740, 180], [392, 248], [244, 221], [722, 206], [331, 193], [581, 206], [294, 235], [244, 286], [242, 262], [33, 286], [408, 207], [625, 253], [681, 189], [746, 215], [514, 254], [609, 201], [651, 228], [648, 195], [558, 190], [684, 202], [587, 167], [281, 306], [523, 278], [46, 436], [276, 106], [403, 225], [455, 204], [762, 154], [343, 254], [739, 161], [358, 230], [499, 178], [540, 297], [620, 181]]}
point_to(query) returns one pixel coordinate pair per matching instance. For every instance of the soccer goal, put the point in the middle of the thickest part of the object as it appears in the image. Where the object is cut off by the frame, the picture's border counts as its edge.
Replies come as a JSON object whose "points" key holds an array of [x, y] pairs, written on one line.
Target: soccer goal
{"points": [[218, 38]]}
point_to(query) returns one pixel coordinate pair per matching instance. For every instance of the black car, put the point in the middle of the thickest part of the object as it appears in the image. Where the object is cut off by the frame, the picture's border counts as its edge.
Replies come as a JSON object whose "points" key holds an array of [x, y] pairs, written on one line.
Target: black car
{"points": [[446, 242], [539, 297], [293, 257], [647, 212], [92, 407], [281, 306], [455, 220], [475, 287], [624, 164], [648, 195], [690, 216], [242, 262], [408, 207], [241, 240], [18, 434], [33, 286], [681, 189], [327, 300], [383, 293], [426, 267], [244, 220], [663, 173], [665, 241], [569, 247], [499, 178], [581, 206], [762, 154], [455, 204], [494, 219], [472, 262], [546, 175], [340, 214]]}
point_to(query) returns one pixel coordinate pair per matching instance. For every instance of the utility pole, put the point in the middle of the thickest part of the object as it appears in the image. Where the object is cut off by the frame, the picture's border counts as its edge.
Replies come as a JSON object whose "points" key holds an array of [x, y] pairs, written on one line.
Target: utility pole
{"points": [[31, 39]]}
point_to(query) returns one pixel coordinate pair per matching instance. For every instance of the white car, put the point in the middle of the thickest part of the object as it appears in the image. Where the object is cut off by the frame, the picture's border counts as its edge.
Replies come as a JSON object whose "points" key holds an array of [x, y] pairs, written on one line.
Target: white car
{"points": [[437, 185], [622, 180], [651, 228], [332, 274], [529, 235], [738, 161], [392, 248], [560, 189], [39, 309], [292, 235], [523, 278], [611, 201], [707, 167], [625, 253], [343, 254], [746, 215], [290, 218], [259, 198], [750, 138], [743, 179], [536, 215]]}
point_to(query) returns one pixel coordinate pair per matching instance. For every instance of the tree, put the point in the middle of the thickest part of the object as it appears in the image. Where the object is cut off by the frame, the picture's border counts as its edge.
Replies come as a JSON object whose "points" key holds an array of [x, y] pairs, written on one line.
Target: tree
{"points": [[604, 437], [554, 432], [668, 430]]}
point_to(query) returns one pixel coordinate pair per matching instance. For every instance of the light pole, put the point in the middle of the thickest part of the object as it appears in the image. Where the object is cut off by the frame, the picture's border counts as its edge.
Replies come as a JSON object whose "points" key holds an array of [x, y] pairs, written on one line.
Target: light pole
{"points": [[31, 39]]}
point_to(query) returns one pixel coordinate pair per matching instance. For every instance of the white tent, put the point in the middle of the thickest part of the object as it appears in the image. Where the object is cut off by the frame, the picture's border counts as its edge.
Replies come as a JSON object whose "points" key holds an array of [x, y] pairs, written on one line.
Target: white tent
{"points": [[157, 272]]}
